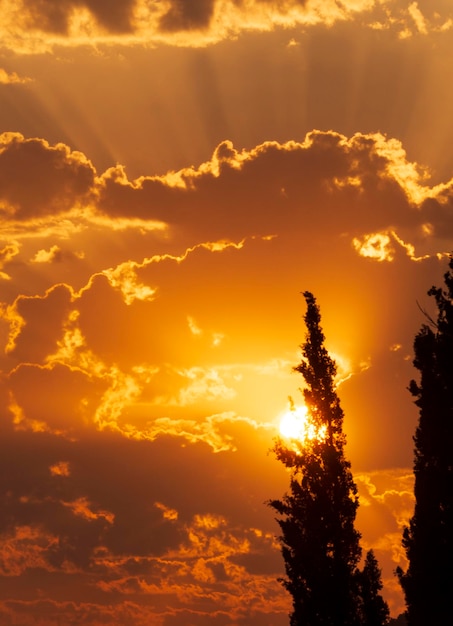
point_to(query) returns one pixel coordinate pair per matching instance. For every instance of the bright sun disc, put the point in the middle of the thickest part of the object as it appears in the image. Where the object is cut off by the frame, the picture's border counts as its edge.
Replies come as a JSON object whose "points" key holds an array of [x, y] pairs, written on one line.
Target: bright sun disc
{"points": [[293, 424]]}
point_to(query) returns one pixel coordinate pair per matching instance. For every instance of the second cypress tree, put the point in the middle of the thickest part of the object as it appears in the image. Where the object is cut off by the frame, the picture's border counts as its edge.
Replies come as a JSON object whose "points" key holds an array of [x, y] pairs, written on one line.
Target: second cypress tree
{"points": [[428, 581]]}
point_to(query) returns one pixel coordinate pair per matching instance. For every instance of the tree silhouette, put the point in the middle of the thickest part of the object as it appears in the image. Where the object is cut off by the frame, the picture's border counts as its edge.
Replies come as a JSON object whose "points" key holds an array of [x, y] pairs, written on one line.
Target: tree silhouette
{"points": [[428, 541], [319, 542], [375, 611]]}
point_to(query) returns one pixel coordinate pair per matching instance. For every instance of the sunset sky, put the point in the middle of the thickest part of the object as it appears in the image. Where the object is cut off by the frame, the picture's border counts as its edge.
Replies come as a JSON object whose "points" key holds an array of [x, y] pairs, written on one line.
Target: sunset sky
{"points": [[173, 174]]}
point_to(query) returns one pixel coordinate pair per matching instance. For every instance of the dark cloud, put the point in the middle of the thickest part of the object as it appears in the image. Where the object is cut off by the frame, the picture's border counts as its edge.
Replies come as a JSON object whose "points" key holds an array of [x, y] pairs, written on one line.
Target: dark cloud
{"points": [[99, 534], [438, 212], [187, 15], [54, 16], [56, 396], [37, 179], [274, 187], [434, 9], [43, 318], [355, 184]]}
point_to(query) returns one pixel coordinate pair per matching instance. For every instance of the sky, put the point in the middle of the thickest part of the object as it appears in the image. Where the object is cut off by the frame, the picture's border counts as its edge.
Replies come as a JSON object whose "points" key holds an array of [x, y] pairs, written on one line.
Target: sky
{"points": [[173, 174]]}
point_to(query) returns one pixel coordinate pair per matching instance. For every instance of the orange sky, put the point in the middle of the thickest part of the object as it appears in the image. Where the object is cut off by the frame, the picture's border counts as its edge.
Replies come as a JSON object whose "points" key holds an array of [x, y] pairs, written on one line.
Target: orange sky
{"points": [[172, 175]]}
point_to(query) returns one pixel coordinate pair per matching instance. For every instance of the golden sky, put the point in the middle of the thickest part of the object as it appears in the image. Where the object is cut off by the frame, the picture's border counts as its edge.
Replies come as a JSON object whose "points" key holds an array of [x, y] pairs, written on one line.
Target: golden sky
{"points": [[172, 175]]}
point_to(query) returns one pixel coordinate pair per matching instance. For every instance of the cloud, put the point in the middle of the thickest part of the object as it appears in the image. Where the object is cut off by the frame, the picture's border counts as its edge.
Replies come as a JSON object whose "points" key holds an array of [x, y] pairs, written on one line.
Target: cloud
{"points": [[53, 398], [177, 523], [51, 191], [55, 255], [194, 555], [84, 509], [7, 254], [366, 171], [61, 468], [39, 180], [198, 22], [386, 504], [57, 17], [36, 323], [25, 547], [195, 15], [11, 78], [207, 385]]}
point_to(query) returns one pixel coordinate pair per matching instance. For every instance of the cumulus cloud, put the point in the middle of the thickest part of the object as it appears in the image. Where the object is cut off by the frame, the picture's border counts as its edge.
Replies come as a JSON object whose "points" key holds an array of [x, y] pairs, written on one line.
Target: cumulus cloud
{"points": [[362, 171], [57, 191], [41, 180]]}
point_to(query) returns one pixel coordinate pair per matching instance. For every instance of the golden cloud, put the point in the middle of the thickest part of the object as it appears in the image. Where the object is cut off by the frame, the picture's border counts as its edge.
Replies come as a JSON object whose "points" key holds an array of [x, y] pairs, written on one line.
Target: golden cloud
{"points": [[7, 253], [167, 512], [62, 468], [83, 508], [11, 78], [375, 246], [196, 24], [381, 247]]}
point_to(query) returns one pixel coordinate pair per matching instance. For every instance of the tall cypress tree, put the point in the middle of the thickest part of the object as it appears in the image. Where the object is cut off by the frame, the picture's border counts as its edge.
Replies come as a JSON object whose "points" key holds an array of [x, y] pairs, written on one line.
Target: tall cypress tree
{"points": [[428, 581], [319, 542]]}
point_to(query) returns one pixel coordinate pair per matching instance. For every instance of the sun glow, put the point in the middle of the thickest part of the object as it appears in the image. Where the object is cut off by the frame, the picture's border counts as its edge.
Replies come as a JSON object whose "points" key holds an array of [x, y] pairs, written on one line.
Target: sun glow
{"points": [[295, 424]]}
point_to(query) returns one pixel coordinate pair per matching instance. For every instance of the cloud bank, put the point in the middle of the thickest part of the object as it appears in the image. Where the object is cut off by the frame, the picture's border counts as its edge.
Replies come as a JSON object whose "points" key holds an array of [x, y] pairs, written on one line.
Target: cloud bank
{"points": [[201, 22]]}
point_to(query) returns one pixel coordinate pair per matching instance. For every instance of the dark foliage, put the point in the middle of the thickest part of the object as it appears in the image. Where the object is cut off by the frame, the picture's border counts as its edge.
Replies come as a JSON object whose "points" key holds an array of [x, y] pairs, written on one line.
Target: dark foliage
{"points": [[319, 542], [398, 621], [428, 541], [375, 611]]}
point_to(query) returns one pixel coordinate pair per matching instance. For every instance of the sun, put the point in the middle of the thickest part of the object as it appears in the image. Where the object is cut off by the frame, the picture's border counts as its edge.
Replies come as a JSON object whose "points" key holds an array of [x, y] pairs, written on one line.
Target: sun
{"points": [[295, 424]]}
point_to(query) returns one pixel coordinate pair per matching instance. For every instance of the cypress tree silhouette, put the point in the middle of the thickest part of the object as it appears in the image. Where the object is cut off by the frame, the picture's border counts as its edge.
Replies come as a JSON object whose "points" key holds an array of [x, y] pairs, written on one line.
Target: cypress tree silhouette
{"points": [[375, 611], [319, 543], [428, 541]]}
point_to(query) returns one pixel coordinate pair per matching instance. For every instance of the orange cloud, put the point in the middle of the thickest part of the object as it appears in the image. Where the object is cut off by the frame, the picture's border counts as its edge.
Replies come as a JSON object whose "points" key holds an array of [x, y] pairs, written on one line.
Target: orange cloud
{"points": [[63, 200], [62, 468], [386, 504], [11, 78], [36, 323], [83, 508], [168, 513], [195, 24], [354, 167], [25, 547], [376, 246], [53, 397], [7, 253]]}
